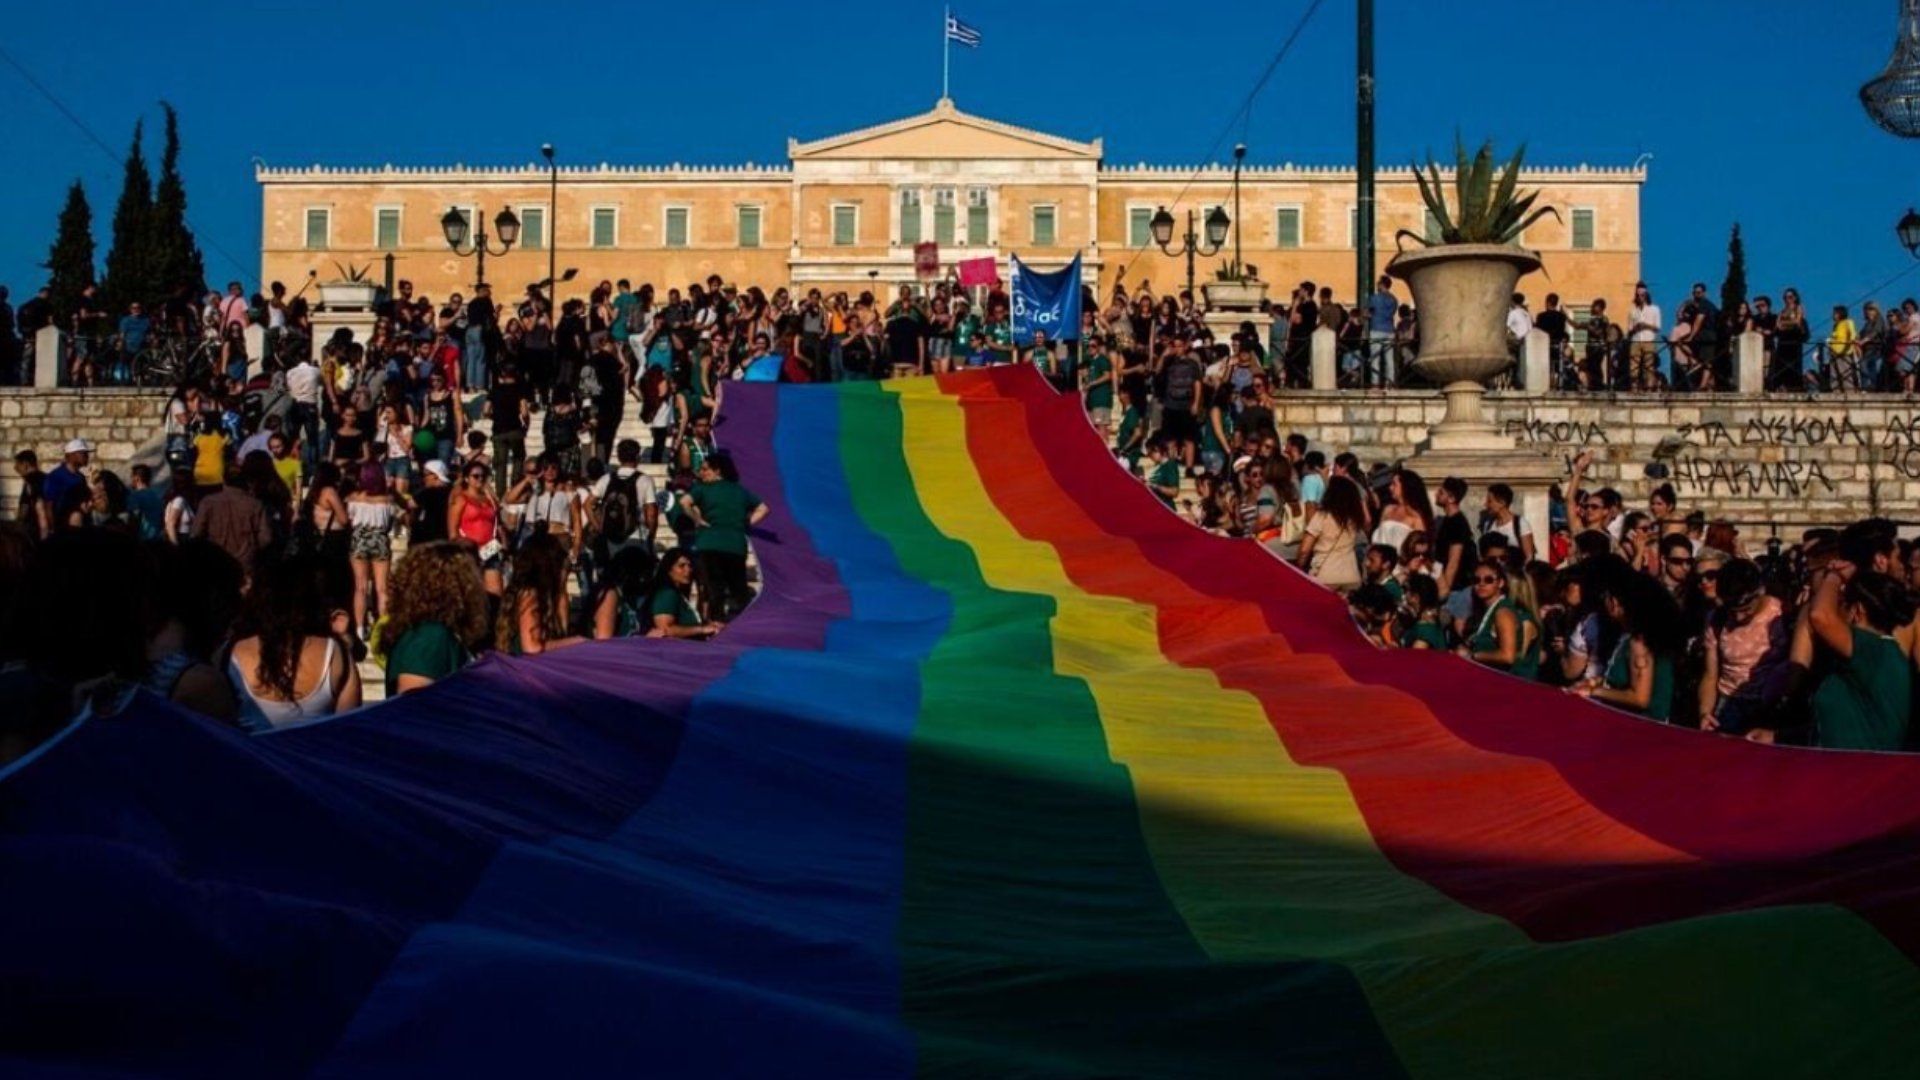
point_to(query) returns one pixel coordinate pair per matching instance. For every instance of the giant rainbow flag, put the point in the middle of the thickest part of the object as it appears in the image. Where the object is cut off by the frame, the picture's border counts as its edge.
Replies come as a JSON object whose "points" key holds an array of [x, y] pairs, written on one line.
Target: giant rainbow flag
{"points": [[1008, 771]]}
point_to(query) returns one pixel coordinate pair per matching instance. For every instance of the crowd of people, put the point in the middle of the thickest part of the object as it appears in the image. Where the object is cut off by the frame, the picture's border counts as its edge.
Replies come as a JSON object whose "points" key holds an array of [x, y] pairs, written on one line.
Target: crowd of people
{"points": [[380, 499]]}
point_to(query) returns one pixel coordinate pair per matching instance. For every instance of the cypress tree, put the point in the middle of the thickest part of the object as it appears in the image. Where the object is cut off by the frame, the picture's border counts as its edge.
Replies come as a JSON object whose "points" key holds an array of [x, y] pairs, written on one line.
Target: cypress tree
{"points": [[70, 260], [177, 258], [130, 262], [1733, 290]]}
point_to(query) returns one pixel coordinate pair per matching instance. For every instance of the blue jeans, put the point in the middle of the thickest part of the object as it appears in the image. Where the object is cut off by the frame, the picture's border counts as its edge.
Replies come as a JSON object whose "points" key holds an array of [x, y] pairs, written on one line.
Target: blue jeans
{"points": [[473, 359], [306, 427]]}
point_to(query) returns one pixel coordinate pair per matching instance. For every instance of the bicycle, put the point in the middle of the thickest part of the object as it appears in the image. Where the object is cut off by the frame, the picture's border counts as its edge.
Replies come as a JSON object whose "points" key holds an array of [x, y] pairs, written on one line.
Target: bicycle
{"points": [[169, 360]]}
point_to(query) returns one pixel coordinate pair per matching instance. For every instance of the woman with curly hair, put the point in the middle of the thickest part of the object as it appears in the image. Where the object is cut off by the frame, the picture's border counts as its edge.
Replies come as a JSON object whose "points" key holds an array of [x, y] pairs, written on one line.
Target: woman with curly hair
{"points": [[533, 614], [670, 611], [439, 616]]}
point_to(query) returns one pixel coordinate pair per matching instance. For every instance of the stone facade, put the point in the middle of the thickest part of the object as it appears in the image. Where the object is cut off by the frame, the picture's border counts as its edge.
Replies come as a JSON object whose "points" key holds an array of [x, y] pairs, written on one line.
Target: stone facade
{"points": [[1770, 462], [122, 424], [843, 212]]}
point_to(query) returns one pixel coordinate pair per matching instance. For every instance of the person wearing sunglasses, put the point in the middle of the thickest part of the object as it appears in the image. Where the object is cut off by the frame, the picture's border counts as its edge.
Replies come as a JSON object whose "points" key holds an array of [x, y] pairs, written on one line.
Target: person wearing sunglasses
{"points": [[1504, 632]]}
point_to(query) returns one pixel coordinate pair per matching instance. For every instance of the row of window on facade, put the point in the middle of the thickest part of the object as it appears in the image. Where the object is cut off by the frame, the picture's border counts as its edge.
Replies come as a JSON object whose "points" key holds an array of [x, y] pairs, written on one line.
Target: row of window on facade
{"points": [[1043, 224]]}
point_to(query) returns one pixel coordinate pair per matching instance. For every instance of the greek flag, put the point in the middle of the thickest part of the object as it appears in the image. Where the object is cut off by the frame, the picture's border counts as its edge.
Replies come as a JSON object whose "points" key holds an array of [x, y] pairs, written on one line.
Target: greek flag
{"points": [[962, 33]]}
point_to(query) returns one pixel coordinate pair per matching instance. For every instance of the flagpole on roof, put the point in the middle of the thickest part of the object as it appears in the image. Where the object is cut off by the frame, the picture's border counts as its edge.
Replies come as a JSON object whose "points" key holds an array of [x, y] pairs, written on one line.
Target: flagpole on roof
{"points": [[946, 49]]}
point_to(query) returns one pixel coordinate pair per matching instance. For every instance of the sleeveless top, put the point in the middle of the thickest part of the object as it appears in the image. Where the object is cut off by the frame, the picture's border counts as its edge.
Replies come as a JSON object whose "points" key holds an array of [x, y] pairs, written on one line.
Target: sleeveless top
{"points": [[477, 521], [261, 714], [1391, 534], [1486, 639]]}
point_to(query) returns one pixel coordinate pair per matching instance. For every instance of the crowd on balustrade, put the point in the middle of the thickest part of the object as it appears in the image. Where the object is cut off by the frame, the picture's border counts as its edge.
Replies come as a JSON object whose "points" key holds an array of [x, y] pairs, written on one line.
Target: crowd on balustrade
{"points": [[507, 473]]}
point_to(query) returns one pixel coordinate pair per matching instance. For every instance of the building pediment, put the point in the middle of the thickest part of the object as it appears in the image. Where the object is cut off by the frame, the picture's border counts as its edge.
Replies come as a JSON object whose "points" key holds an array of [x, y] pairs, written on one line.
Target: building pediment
{"points": [[944, 132]]}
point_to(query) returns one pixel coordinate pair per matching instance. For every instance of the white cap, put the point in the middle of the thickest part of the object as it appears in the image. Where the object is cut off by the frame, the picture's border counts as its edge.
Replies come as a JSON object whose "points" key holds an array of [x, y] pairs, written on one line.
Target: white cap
{"points": [[439, 469], [78, 446]]}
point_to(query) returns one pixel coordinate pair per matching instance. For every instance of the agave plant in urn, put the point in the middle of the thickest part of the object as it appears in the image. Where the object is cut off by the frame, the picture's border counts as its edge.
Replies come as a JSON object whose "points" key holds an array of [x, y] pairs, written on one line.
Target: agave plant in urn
{"points": [[1462, 283]]}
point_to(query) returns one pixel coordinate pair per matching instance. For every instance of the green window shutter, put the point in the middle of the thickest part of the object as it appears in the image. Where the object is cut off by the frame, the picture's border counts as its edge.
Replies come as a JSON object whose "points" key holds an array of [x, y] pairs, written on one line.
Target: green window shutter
{"points": [[1287, 228]]}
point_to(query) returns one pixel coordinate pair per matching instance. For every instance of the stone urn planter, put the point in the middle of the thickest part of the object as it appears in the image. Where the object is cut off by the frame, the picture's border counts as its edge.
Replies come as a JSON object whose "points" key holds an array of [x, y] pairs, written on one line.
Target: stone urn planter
{"points": [[1462, 293], [1234, 295], [348, 295]]}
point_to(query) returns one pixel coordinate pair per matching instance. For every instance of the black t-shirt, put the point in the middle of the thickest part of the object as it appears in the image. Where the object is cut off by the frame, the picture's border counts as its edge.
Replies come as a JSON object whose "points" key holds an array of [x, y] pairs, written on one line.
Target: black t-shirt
{"points": [[1455, 530], [1552, 322], [1710, 325], [1765, 324], [431, 525], [903, 338], [1309, 322], [33, 489], [606, 368], [480, 312], [505, 399], [1183, 375], [572, 334]]}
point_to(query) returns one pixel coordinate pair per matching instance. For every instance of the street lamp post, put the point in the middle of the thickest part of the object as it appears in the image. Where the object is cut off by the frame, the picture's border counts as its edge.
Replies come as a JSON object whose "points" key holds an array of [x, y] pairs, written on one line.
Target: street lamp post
{"points": [[1909, 232], [1217, 223], [505, 226], [547, 230]]}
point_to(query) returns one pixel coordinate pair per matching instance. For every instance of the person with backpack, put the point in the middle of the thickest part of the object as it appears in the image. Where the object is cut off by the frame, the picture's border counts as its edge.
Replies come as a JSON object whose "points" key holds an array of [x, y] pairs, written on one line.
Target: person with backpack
{"points": [[627, 508]]}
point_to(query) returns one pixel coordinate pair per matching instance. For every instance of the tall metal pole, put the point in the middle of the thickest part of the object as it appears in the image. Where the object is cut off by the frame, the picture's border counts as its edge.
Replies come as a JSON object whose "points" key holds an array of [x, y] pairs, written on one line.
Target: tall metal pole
{"points": [[1239, 155], [480, 248], [553, 204], [1363, 137], [1193, 243]]}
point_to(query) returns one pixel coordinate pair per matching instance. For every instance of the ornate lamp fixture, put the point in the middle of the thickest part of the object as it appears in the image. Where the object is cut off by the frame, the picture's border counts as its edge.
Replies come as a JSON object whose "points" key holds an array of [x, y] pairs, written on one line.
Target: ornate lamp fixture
{"points": [[1892, 97]]}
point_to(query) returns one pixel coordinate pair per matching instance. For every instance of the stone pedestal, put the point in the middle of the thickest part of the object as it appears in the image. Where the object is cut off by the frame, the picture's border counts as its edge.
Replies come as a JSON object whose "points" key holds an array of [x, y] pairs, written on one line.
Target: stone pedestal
{"points": [[1528, 472], [256, 336], [1750, 362], [1536, 363], [326, 321], [49, 357], [1324, 359]]}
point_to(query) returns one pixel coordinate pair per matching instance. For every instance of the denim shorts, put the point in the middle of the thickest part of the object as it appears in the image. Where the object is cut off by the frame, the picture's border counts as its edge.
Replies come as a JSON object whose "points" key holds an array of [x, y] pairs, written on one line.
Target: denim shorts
{"points": [[399, 468]]}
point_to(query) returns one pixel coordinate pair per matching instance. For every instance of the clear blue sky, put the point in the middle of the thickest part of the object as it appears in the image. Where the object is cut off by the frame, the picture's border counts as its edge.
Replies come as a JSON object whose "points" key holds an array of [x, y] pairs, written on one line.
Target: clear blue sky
{"points": [[1749, 109]]}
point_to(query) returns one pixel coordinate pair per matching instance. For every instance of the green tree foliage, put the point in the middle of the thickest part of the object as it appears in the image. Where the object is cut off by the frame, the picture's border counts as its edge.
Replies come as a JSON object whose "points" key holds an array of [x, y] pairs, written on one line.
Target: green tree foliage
{"points": [[1733, 289], [176, 257], [132, 269], [70, 260]]}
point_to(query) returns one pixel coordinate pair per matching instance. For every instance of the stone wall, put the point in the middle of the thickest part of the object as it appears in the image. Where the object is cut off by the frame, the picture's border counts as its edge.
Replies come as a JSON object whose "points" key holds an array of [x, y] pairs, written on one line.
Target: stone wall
{"points": [[122, 424], [1779, 461], [1772, 461]]}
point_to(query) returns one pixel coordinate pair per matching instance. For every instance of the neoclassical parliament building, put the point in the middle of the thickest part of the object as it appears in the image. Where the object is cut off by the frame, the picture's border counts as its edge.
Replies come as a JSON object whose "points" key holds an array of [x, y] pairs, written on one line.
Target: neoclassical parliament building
{"points": [[845, 212]]}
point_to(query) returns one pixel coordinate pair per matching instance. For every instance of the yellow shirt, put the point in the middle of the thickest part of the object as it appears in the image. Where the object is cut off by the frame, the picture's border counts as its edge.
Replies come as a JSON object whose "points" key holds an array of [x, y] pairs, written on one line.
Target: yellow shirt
{"points": [[210, 459], [1841, 343], [289, 469]]}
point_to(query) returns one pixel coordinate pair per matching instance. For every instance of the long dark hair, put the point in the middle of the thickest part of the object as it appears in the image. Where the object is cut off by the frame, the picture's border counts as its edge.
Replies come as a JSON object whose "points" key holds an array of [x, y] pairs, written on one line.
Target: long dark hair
{"points": [[326, 475], [663, 571], [1342, 501], [1413, 495], [285, 607], [539, 574]]}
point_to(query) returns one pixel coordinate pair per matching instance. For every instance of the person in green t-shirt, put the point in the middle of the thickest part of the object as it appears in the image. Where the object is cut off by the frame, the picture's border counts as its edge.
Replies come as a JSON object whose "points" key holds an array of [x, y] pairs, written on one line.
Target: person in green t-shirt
{"points": [[1131, 440], [1163, 477], [1652, 637], [437, 617], [1863, 702], [722, 511], [1429, 627], [965, 325], [1096, 382], [1380, 562], [669, 612], [1000, 335]]}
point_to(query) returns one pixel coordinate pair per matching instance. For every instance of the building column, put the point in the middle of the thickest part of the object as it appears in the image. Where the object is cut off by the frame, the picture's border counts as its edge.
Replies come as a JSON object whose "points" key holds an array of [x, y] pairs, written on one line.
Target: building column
{"points": [[1324, 355], [49, 357], [1536, 363]]}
